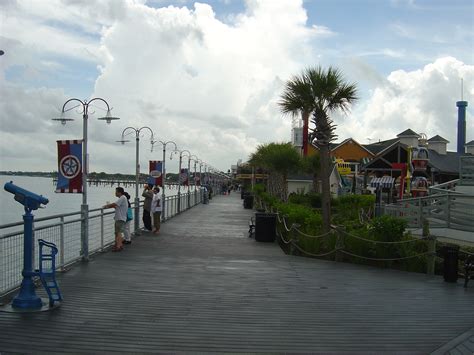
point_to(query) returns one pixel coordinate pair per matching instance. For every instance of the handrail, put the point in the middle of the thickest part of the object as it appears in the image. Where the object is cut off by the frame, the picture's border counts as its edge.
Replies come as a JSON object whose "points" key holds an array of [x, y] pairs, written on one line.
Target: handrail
{"points": [[65, 233]]}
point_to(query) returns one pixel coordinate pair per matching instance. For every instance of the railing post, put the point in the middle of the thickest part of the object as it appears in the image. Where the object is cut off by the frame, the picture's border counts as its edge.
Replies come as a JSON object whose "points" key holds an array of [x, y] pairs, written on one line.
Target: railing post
{"points": [[448, 210], [338, 256], [61, 244], [293, 238], [420, 213], [430, 265], [102, 229]]}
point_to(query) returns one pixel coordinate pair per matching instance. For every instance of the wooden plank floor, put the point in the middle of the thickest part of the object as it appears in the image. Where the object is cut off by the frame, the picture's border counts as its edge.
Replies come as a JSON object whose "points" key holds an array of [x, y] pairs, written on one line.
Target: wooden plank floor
{"points": [[204, 286]]}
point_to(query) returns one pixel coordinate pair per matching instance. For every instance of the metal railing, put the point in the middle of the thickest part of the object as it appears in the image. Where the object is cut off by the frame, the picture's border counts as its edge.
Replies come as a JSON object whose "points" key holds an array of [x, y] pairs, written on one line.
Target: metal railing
{"points": [[64, 230], [441, 210]]}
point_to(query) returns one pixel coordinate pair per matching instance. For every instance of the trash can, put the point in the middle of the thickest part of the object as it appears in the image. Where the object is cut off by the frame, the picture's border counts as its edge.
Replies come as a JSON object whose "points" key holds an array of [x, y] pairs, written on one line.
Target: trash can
{"points": [[248, 201], [265, 227], [450, 265]]}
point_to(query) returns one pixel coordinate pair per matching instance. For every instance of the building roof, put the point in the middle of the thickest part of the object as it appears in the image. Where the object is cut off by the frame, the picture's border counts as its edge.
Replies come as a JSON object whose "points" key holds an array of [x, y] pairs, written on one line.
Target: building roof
{"points": [[469, 144], [448, 163], [438, 139], [334, 146], [377, 147], [299, 177], [408, 133]]}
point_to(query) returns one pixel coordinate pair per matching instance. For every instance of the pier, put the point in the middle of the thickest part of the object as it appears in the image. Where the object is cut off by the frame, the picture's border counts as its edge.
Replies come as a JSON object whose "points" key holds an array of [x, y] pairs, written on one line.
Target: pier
{"points": [[202, 285]]}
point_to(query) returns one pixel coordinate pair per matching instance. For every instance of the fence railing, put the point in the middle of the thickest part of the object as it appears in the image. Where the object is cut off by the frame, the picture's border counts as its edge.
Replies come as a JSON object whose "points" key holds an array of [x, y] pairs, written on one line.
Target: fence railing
{"points": [[64, 230], [441, 210], [334, 244]]}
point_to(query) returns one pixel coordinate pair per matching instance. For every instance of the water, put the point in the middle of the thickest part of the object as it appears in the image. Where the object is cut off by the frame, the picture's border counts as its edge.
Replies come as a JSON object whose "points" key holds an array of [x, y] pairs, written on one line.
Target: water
{"points": [[11, 211]]}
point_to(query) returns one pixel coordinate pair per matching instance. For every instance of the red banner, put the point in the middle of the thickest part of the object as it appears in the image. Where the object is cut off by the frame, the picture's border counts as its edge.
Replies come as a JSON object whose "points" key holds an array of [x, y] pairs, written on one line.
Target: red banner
{"points": [[69, 166], [156, 172]]}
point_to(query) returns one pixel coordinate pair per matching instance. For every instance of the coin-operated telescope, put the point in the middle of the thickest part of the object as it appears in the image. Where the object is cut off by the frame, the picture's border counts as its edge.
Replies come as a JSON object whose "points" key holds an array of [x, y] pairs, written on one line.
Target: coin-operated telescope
{"points": [[27, 300], [27, 198]]}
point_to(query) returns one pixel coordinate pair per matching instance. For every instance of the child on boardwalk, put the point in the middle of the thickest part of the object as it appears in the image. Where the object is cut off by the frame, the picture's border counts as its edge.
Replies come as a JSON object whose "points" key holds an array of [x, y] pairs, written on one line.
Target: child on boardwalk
{"points": [[156, 210], [127, 235]]}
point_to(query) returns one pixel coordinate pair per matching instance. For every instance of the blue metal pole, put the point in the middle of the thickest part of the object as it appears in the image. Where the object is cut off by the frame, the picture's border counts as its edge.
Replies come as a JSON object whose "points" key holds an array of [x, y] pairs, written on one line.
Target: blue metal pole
{"points": [[27, 298]]}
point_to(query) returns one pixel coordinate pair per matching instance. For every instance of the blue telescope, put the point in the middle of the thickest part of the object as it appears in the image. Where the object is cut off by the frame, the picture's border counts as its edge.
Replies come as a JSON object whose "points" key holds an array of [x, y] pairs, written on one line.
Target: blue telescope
{"points": [[27, 198]]}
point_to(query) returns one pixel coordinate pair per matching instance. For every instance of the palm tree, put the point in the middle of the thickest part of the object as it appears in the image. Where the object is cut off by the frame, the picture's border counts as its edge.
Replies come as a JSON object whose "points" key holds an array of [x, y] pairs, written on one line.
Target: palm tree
{"points": [[278, 159], [321, 92], [297, 99]]}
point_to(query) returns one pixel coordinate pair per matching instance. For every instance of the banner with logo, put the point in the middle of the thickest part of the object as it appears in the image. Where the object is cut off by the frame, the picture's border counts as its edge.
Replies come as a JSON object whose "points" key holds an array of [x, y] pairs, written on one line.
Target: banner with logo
{"points": [[184, 177], [69, 166], [156, 173]]}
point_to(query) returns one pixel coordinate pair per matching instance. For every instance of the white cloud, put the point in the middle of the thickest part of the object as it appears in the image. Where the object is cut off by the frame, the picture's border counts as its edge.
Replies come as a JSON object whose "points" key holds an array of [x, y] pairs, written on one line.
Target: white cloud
{"points": [[423, 100], [208, 85]]}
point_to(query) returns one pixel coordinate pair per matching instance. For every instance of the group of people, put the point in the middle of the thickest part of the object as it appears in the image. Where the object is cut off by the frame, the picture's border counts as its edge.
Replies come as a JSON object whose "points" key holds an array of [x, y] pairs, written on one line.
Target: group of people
{"points": [[152, 207], [124, 215]]}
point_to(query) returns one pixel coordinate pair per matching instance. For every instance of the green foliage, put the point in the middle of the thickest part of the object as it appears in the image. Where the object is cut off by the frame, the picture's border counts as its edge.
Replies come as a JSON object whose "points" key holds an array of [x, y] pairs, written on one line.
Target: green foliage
{"points": [[347, 208], [278, 157], [384, 228], [388, 229]]}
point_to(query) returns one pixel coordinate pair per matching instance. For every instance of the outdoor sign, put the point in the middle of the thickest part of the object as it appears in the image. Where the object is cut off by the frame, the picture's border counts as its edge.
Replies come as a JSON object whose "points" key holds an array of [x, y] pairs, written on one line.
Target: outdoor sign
{"points": [[184, 177], [156, 173], [69, 166]]}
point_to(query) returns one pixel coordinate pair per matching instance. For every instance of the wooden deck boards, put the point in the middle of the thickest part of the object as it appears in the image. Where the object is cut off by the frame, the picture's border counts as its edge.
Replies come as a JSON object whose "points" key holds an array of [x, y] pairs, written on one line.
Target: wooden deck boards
{"points": [[204, 286]]}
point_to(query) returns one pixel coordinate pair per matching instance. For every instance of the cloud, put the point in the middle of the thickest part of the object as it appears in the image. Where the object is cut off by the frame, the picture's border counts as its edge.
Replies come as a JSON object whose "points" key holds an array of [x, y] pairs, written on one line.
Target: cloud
{"points": [[423, 100], [210, 86]]}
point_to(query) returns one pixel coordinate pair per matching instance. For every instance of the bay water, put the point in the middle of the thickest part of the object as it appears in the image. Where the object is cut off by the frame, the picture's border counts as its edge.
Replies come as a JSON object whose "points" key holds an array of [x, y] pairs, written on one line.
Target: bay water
{"points": [[12, 211]]}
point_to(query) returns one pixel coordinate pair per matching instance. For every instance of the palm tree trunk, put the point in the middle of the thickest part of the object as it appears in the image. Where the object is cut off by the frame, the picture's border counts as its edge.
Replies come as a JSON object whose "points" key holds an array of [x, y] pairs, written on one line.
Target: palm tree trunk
{"points": [[305, 133], [326, 188]]}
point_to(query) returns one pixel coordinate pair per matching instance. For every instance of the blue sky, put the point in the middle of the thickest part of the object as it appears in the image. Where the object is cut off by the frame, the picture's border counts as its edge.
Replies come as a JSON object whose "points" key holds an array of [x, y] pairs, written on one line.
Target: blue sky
{"points": [[196, 77]]}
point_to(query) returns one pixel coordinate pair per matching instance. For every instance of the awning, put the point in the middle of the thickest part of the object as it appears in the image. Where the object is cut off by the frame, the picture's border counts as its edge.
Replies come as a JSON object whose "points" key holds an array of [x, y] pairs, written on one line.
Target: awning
{"points": [[384, 182]]}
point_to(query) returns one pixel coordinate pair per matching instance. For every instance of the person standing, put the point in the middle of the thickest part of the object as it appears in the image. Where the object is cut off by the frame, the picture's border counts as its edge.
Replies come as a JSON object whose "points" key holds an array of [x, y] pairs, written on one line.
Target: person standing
{"points": [[120, 217], [148, 194], [127, 235], [156, 210]]}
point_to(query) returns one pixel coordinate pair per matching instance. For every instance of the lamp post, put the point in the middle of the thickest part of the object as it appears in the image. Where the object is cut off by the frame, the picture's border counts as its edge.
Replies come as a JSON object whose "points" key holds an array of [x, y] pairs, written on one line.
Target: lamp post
{"points": [[193, 158], [163, 195], [137, 166], [85, 116], [179, 177]]}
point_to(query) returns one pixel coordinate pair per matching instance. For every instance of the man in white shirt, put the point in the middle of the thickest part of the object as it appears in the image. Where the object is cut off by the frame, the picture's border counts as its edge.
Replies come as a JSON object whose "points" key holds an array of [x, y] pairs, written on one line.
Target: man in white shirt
{"points": [[156, 210], [120, 217]]}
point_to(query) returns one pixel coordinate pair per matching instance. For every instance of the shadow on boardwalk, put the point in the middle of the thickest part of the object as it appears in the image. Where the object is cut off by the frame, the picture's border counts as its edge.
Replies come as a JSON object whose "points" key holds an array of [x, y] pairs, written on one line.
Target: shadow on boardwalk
{"points": [[202, 285]]}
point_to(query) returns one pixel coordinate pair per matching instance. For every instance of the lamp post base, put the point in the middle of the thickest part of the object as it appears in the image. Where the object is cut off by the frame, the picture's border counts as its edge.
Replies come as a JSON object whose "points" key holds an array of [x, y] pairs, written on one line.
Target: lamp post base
{"points": [[27, 298]]}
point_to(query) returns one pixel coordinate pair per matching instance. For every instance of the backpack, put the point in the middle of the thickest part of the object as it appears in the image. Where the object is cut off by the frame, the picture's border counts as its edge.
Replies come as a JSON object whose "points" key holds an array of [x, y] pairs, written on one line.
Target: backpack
{"points": [[129, 214]]}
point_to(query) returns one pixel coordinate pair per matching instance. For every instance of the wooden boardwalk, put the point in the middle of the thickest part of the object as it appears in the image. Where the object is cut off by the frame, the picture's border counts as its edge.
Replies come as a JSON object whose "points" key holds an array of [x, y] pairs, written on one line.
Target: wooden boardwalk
{"points": [[204, 286]]}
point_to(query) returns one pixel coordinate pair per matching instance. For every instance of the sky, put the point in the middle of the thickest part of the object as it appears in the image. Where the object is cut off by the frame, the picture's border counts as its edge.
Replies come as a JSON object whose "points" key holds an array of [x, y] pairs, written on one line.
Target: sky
{"points": [[208, 75]]}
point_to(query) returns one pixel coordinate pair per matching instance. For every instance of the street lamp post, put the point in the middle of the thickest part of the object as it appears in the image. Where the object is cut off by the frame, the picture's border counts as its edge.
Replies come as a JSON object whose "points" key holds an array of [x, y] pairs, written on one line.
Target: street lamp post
{"points": [[179, 177], [84, 207], [193, 158], [137, 167], [163, 195]]}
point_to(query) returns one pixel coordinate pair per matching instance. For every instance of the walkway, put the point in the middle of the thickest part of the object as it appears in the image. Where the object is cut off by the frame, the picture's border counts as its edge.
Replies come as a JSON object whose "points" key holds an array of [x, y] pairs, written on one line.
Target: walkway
{"points": [[204, 286]]}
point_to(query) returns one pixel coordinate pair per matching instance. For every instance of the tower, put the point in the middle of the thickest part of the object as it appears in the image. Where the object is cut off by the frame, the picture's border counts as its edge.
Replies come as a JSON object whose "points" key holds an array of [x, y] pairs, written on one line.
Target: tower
{"points": [[461, 126]]}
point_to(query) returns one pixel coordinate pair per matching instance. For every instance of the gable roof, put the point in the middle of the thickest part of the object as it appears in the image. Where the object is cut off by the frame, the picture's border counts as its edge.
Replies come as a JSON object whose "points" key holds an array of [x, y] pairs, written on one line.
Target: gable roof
{"points": [[408, 133], [438, 139], [448, 163], [376, 148], [345, 141], [469, 144]]}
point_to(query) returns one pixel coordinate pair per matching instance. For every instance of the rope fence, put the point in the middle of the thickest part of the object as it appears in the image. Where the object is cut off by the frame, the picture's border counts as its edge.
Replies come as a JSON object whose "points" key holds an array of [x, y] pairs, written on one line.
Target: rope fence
{"points": [[341, 235]]}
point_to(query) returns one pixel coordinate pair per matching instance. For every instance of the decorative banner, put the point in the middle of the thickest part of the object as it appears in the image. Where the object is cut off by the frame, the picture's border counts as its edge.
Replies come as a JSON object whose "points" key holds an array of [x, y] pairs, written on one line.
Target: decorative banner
{"points": [[184, 177], [69, 166], [156, 173], [197, 179]]}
